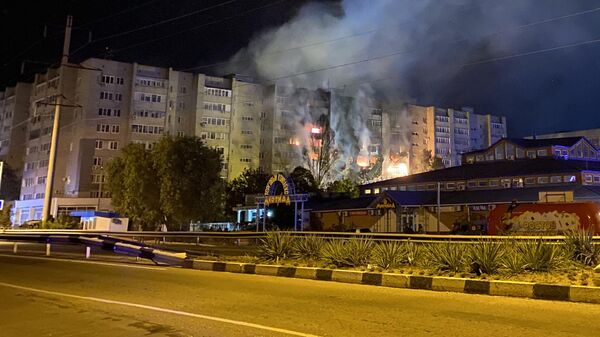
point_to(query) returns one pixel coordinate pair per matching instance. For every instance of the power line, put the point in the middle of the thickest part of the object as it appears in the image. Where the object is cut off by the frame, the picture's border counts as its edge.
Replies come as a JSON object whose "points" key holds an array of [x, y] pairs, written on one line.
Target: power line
{"points": [[91, 23], [200, 26], [164, 21]]}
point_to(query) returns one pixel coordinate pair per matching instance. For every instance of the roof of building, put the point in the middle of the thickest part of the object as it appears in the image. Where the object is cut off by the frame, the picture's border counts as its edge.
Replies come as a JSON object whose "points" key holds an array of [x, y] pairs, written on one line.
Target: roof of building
{"points": [[477, 197], [495, 169], [536, 143], [339, 203]]}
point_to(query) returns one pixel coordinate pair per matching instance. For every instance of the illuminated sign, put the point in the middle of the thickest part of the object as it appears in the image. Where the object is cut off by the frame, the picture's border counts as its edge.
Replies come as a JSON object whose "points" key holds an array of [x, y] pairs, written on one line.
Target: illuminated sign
{"points": [[386, 204], [271, 197]]}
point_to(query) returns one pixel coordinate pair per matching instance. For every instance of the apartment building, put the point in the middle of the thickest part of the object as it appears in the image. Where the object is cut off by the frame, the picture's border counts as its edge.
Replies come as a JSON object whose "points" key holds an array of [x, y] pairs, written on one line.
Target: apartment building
{"points": [[109, 104], [446, 133], [14, 111]]}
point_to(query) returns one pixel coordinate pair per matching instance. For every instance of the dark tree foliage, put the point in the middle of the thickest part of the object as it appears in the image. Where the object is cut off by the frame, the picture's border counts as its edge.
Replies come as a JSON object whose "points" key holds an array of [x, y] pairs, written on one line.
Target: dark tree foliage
{"points": [[251, 181]]}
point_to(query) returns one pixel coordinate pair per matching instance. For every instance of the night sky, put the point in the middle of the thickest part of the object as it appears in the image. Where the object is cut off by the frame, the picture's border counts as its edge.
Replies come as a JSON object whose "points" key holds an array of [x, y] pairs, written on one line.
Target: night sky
{"points": [[543, 92]]}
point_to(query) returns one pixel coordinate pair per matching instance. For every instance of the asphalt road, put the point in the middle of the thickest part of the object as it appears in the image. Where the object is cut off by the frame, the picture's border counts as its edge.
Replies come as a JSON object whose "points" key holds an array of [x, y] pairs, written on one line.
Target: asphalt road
{"points": [[42, 297]]}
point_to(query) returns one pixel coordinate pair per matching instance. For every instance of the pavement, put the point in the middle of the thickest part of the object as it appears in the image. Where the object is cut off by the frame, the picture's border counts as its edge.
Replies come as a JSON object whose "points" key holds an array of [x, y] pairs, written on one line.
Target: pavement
{"points": [[54, 297]]}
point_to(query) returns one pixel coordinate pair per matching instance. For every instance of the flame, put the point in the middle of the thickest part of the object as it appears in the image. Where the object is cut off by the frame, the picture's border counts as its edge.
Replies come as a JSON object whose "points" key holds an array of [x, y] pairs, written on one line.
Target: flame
{"points": [[315, 130], [362, 161], [399, 170]]}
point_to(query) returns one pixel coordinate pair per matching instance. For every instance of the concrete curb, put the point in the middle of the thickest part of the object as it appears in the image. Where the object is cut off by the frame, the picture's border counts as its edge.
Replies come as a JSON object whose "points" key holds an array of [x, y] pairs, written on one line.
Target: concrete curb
{"points": [[436, 283]]}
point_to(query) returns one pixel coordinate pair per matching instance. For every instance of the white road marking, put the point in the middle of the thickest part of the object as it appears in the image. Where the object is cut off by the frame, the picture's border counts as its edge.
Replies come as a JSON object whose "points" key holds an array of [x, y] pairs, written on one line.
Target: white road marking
{"points": [[165, 310], [84, 262]]}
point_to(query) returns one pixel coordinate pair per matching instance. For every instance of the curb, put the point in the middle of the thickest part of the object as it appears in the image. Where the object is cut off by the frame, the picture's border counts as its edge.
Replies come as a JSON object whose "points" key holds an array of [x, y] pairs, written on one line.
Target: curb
{"points": [[436, 283]]}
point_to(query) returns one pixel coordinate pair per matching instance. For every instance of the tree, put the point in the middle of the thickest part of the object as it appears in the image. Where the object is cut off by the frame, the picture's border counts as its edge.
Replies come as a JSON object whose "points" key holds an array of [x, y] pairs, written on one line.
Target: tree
{"points": [[134, 186], [5, 216], [431, 162], [11, 184], [304, 180], [191, 188], [344, 186], [320, 154], [251, 181]]}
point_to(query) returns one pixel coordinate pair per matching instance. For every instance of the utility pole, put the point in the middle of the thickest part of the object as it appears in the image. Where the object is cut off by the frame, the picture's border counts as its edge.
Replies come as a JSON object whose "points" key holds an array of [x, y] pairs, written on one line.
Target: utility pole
{"points": [[55, 126], [438, 206]]}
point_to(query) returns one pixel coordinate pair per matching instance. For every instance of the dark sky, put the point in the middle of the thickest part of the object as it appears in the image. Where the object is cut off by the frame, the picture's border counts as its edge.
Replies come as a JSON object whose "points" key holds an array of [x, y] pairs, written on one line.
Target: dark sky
{"points": [[551, 91]]}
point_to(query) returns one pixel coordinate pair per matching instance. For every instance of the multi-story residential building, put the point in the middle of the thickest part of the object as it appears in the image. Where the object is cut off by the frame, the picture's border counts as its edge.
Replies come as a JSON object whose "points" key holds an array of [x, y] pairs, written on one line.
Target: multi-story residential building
{"points": [[593, 135], [108, 104], [14, 111], [445, 133]]}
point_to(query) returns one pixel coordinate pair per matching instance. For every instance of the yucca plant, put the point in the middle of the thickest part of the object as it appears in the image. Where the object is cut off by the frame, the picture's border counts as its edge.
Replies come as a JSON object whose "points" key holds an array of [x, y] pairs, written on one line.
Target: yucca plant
{"points": [[275, 246], [487, 255], [308, 247], [512, 260], [539, 256], [359, 251], [388, 254], [580, 247], [335, 252], [445, 256]]}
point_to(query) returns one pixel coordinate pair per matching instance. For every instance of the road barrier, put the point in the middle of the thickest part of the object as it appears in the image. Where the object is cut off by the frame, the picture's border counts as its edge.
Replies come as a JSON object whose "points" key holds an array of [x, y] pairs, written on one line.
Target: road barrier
{"points": [[89, 239]]}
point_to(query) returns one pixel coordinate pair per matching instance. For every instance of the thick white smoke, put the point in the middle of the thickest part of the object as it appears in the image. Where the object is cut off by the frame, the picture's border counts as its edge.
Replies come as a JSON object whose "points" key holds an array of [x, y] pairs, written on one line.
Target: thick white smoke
{"points": [[375, 51]]}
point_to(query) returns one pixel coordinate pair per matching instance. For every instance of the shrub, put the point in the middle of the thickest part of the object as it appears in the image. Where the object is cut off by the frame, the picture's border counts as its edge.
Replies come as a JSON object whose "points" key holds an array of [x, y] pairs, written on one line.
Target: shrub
{"points": [[359, 251], [513, 260], [308, 247], [353, 252], [275, 246], [388, 254], [445, 256], [580, 247], [539, 256], [487, 255], [334, 253]]}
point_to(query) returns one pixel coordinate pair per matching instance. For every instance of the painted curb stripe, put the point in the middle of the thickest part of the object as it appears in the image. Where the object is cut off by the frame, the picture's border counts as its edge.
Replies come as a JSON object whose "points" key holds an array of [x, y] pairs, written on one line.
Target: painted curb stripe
{"points": [[477, 287], [286, 271], [373, 279], [323, 274], [420, 282], [551, 292]]}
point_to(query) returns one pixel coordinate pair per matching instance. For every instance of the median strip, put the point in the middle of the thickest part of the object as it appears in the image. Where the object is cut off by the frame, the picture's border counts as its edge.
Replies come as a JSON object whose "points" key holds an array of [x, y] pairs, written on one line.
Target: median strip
{"points": [[422, 282]]}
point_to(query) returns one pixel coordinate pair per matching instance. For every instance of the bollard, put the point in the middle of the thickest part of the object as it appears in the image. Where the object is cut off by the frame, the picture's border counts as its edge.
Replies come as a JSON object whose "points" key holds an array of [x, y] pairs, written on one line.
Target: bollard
{"points": [[48, 249], [15, 248], [88, 251]]}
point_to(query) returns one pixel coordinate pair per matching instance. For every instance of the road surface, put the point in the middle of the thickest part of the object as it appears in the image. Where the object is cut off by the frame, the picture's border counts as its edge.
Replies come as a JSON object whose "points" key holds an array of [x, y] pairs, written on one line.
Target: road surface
{"points": [[52, 297]]}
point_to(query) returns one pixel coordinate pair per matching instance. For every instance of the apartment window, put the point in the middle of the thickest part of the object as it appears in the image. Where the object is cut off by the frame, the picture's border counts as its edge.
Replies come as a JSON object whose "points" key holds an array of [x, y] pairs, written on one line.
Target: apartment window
{"points": [[245, 146], [99, 144], [529, 181], [30, 166], [217, 107], [556, 179], [217, 92], [147, 129], [180, 133], [246, 132], [376, 190], [41, 180], [28, 182], [247, 118], [108, 79], [530, 154], [104, 112], [118, 96], [113, 145], [517, 182], [98, 178], [98, 161], [183, 90], [245, 160], [212, 135], [368, 191], [220, 150], [43, 163], [120, 80], [542, 180], [114, 128], [103, 128], [106, 95]]}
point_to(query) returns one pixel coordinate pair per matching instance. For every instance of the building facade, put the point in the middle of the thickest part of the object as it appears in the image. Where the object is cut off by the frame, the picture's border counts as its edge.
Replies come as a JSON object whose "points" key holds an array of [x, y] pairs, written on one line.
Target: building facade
{"points": [[14, 112]]}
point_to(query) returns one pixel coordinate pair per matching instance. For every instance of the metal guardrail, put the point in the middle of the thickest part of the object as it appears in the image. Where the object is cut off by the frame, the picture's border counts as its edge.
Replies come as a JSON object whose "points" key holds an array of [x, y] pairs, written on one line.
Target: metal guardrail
{"points": [[137, 236], [105, 242]]}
